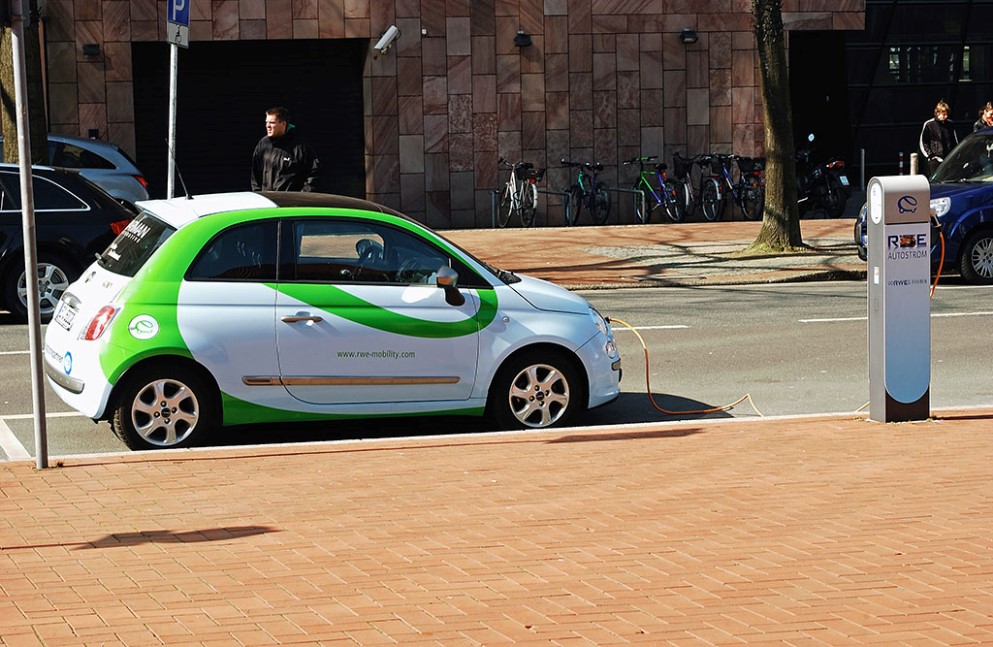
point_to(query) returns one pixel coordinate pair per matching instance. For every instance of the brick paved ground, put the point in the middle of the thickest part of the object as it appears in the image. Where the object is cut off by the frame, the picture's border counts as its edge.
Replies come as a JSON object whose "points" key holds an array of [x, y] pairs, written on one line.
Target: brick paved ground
{"points": [[811, 531]]}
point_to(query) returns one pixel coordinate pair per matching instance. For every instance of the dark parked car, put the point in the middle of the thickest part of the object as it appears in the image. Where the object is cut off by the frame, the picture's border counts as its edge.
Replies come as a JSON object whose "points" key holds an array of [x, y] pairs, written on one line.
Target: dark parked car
{"points": [[74, 221], [962, 200]]}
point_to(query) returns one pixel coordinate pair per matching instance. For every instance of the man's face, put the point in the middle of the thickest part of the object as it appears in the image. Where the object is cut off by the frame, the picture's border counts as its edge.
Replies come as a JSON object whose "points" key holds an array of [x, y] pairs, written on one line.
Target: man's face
{"points": [[274, 127], [941, 117], [988, 116]]}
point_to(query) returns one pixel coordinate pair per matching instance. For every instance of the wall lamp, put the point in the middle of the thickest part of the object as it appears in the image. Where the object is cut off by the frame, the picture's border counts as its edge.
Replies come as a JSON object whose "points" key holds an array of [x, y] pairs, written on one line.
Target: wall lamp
{"points": [[688, 36], [522, 39], [91, 49]]}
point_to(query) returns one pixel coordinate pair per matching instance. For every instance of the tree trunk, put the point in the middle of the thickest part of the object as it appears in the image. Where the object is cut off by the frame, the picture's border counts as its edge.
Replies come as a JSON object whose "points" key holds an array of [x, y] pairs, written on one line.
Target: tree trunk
{"points": [[781, 220], [34, 92]]}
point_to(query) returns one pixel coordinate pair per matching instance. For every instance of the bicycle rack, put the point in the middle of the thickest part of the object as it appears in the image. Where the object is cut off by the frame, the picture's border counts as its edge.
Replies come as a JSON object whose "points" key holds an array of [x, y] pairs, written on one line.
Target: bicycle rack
{"points": [[640, 197], [566, 205]]}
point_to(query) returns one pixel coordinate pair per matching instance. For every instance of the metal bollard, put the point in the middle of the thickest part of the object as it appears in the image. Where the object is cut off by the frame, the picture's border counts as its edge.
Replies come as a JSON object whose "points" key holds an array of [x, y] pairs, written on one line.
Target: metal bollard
{"points": [[901, 163], [913, 163]]}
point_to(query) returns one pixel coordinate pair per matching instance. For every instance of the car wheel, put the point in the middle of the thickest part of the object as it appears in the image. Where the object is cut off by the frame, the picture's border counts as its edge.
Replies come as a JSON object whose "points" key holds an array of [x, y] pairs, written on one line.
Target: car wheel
{"points": [[976, 260], [163, 408], [535, 390], [54, 274]]}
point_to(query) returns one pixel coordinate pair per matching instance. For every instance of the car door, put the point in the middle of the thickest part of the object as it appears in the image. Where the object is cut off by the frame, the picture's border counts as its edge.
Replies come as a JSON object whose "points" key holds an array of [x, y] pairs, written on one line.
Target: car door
{"points": [[359, 318]]}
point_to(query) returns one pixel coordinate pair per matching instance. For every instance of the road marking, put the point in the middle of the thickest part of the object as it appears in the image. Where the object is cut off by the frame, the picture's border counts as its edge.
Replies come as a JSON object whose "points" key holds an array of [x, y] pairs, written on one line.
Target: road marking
{"points": [[673, 327], [50, 414], [939, 315], [15, 352], [10, 445]]}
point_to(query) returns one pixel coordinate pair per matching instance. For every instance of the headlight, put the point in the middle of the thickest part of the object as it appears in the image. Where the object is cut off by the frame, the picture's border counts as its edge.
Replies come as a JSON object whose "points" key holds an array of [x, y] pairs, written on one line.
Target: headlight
{"points": [[940, 206], [600, 323]]}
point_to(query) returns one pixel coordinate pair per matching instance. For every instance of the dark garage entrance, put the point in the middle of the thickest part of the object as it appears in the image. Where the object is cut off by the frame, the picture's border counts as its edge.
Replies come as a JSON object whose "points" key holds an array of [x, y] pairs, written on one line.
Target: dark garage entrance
{"points": [[224, 89]]}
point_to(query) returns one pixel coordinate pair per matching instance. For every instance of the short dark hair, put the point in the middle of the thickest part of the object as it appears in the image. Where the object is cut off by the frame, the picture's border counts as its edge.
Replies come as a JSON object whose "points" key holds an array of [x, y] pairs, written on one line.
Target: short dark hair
{"points": [[279, 112]]}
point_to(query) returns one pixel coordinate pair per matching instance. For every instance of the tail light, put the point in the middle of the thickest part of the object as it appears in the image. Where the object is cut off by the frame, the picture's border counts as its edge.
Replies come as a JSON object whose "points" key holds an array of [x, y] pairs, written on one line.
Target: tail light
{"points": [[119, 225], [836, 164], [141, 180], [99, 323]]}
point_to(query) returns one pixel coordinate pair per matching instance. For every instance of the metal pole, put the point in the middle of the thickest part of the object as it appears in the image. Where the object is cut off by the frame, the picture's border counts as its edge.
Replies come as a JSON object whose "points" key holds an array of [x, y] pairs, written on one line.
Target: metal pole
{"points": [[913, 163], [862, 168], [173, 75], [19, 9]]}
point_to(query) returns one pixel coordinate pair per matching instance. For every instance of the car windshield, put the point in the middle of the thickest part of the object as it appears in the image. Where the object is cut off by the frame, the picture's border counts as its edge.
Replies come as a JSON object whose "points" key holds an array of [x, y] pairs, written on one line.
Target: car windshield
{"points": [[135, 245], [970, 161]]}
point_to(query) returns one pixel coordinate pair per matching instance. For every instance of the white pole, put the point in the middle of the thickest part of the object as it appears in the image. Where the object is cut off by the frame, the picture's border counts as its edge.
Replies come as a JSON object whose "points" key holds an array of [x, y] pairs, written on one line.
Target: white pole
{"points": [[173, 74], [19, 9]]}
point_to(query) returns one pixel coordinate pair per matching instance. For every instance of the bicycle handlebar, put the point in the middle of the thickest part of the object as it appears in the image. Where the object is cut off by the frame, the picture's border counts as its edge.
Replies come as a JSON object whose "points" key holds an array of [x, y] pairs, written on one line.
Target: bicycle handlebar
{"points": [[593, 166], [515, 165], [641, 160]]}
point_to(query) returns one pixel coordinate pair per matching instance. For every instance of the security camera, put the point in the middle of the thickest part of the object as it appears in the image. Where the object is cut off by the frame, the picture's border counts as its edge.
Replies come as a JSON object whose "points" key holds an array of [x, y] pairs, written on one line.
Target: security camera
{"points": [[384, 43]]}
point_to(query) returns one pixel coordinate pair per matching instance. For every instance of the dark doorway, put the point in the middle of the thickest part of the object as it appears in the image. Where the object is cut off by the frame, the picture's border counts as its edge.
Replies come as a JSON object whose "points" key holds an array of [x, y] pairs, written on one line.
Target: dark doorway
{"points": [[224, 89], [819, 93]]}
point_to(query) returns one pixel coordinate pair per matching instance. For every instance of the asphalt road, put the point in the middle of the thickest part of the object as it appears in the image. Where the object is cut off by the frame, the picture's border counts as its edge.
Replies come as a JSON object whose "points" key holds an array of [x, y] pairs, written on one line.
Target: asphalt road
{"points": [[793, 348]]}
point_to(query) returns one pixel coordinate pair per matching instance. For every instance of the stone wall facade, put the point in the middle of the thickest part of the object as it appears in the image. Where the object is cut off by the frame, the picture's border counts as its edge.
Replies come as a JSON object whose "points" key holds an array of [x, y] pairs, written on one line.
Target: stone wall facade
{"points": [[602, 79]]}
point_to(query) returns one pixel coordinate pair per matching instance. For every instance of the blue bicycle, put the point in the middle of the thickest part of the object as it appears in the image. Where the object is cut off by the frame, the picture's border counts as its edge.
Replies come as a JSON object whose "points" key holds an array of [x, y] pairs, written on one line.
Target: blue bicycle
{"points": [[589, 192]]}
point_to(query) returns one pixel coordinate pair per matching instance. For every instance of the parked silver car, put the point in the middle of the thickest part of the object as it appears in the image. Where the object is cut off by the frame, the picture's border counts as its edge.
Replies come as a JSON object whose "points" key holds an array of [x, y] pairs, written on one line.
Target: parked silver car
{"points": [[103, 163]]}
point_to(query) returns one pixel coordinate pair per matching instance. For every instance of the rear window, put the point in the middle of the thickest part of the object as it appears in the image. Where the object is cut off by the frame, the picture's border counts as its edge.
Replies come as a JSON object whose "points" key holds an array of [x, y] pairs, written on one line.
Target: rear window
{"points": [[135, 245]]}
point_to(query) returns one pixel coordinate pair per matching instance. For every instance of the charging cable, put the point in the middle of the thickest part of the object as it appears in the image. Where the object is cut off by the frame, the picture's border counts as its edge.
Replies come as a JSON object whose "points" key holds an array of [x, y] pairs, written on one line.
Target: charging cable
{"points": [[648, 383]]}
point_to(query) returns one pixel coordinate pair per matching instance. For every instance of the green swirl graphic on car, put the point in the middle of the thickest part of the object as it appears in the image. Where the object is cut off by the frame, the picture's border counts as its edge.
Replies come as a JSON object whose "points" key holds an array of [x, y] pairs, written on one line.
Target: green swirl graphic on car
{"points": [[160, 297]]}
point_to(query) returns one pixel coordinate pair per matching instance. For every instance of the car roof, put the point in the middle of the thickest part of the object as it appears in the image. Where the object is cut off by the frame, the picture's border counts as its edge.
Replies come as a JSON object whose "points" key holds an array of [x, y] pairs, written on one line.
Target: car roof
{"points": [[180, 211]]}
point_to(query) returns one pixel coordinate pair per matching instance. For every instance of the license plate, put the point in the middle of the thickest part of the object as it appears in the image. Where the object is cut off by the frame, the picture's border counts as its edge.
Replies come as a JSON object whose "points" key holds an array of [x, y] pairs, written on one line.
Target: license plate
{"points": [[844, 179], [65, 316]]}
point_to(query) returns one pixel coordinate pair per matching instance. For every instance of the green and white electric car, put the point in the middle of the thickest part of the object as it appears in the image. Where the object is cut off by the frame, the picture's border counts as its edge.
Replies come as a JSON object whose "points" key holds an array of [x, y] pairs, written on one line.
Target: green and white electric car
{"points": [[238, 308]]}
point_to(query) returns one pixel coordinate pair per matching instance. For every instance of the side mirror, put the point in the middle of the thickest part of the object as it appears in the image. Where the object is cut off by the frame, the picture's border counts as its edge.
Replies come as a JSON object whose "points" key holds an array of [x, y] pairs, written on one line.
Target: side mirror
{"points": [[448, 280]]}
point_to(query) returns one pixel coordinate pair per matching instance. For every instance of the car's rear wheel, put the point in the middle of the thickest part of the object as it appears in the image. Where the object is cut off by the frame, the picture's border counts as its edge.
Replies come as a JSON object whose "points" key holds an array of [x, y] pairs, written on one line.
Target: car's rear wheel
{"points": [[54, 276], [165, 408], [976, 260], [536, 390]]}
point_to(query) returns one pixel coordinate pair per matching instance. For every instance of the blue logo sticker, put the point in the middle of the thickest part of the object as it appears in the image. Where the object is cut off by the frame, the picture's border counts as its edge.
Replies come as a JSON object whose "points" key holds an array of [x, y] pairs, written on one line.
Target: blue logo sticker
{"points": [[907, 204], [67, 362]]}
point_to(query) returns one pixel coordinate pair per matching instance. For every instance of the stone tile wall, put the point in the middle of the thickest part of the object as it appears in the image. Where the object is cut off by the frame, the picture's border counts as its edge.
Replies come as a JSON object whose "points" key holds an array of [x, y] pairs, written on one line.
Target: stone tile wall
{"points": [[603, 79]]}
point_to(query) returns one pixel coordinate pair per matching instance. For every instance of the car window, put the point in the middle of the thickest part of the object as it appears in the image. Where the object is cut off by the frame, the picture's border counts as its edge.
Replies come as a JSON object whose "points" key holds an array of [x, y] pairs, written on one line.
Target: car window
{"points": [[135, 245], [970, 161], [245, 252], [72, 156], [48, 195], [345, 251]]}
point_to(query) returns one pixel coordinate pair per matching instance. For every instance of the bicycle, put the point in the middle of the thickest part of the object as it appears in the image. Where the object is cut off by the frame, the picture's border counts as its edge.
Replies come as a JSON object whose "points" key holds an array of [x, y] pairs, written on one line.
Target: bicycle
{"points": [[690, 196], [589, 192], [747, 192], [664, 194], [520, 193]]}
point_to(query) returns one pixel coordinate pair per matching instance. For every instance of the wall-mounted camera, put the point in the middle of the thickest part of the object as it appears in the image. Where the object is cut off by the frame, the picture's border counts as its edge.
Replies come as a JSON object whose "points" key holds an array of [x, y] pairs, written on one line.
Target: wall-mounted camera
{"points": [[384, 43]]}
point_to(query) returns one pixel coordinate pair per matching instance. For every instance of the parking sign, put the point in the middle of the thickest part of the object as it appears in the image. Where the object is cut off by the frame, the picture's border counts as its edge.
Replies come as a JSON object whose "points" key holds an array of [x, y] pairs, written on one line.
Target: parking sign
{"points": [[178, 22]]}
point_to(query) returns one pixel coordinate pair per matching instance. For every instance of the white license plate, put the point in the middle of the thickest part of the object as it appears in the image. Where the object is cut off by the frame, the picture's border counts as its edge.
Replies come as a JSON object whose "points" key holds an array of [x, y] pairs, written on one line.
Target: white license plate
{"points": [[65, 316], [844, 179]]}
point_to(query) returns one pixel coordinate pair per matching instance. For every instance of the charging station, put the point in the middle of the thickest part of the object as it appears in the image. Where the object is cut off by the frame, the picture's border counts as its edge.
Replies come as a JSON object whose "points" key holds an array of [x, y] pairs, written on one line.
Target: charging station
{"points": [[899, 277]]}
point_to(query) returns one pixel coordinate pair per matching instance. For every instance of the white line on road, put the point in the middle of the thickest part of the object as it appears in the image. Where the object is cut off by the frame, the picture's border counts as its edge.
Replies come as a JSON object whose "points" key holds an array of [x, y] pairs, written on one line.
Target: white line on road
{"points": [[10, 445], [14, 352], [673, 327], [938, 315]]}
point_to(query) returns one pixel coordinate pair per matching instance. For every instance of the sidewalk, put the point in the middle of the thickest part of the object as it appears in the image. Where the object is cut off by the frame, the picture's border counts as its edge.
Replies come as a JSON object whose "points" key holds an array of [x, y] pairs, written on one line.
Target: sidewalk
{"points": [[822, 531], [663, 254]]}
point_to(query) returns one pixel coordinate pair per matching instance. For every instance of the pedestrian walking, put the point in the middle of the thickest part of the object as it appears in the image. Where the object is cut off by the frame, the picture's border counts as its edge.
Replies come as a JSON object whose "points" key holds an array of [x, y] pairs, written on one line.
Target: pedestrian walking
{"points": [[938, 137], [283, 160]]}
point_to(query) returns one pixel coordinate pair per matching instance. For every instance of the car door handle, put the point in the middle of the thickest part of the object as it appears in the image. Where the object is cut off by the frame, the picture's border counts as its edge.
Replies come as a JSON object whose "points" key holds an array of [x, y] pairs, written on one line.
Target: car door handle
{"points": [[294, 319]]}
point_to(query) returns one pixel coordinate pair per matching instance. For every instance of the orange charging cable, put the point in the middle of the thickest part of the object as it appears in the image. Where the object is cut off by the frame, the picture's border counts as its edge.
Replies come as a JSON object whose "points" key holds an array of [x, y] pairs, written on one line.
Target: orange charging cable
{"points": [[648, 383]]}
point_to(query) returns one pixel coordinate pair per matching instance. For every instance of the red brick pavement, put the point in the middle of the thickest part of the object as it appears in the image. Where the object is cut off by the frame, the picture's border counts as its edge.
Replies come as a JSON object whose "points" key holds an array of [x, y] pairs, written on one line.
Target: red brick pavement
{"points": [[809, 531]]}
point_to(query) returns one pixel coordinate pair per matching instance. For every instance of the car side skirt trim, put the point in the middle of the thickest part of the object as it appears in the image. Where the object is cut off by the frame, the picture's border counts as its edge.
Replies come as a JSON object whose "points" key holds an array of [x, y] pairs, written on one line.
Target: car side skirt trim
{"points": [[254, 380]]}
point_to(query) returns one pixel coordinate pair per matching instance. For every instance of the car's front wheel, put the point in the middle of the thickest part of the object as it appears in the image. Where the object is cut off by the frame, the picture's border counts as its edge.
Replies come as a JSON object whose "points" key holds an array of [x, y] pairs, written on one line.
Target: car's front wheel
{"points": [[976, 261], [536, 390], [165, 408]]}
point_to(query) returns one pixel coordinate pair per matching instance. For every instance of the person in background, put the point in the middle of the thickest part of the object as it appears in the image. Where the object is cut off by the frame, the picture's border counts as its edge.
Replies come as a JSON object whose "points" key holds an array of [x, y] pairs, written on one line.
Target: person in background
{"points": [[283, 161], [985, 117], [938, 137]]}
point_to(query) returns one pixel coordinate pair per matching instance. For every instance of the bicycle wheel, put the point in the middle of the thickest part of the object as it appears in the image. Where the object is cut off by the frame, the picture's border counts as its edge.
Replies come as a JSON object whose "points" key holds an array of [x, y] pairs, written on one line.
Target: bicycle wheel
{"points": [[711, 199], [834, 201], [642, 210], [600, 204], [578, 195], [529, 204], [506, 205], [752, 197], [674, 207], [686, 197]]}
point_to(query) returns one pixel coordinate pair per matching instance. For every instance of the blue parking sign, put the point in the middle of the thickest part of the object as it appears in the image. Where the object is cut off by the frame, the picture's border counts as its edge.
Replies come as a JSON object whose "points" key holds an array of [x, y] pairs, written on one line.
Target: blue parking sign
{"points": [[179, 12]]}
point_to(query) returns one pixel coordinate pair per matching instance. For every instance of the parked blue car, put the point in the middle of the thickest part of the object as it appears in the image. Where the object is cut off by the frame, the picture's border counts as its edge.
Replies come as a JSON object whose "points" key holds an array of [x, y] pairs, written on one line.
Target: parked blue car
{"points": [[962, 201]]}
